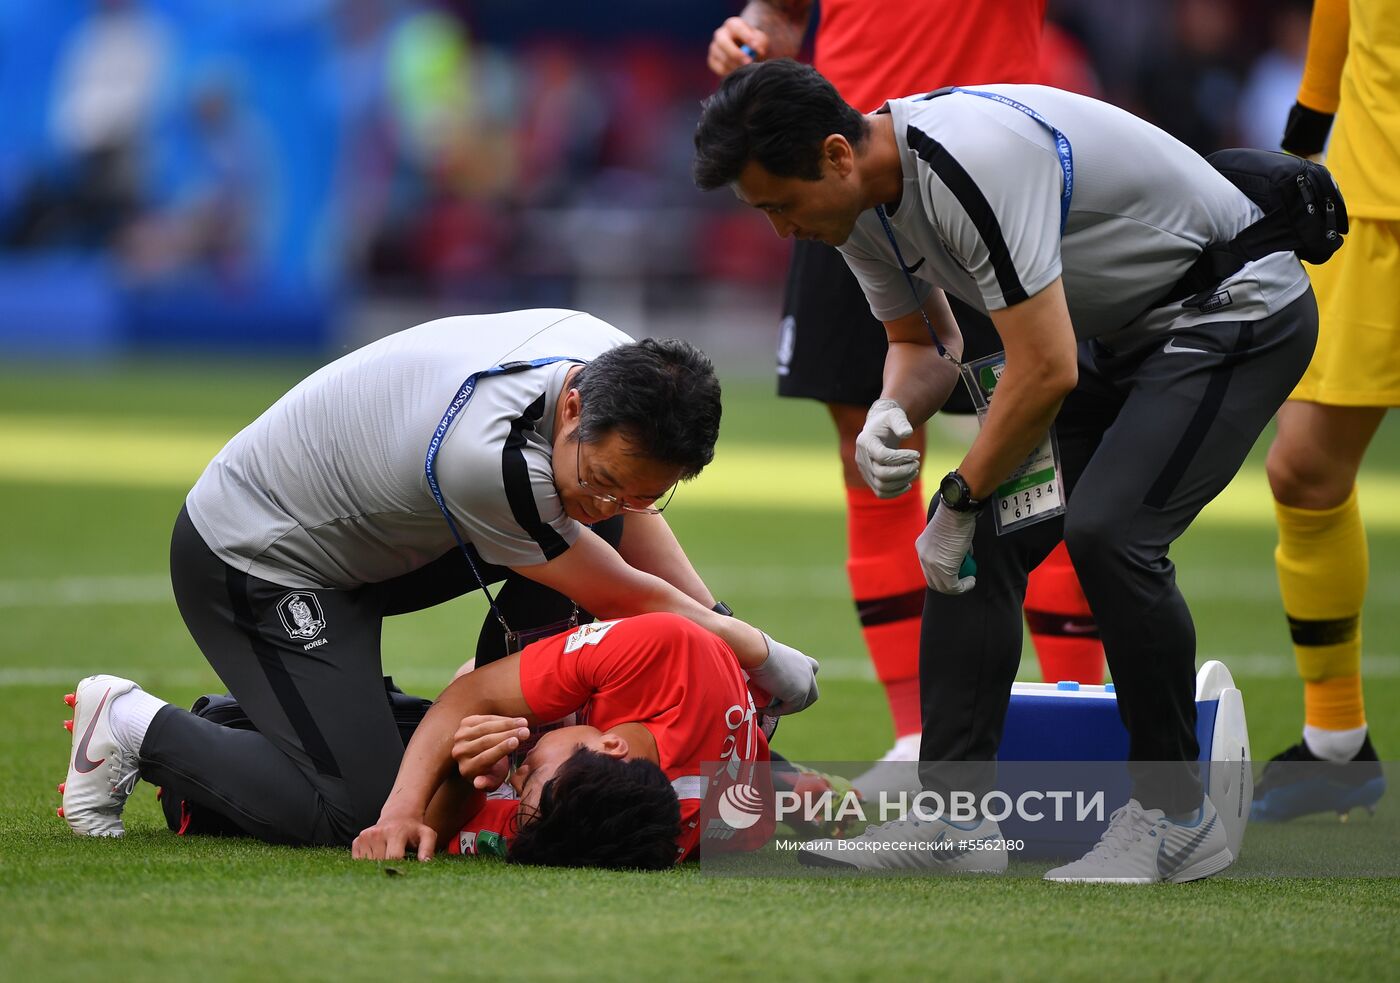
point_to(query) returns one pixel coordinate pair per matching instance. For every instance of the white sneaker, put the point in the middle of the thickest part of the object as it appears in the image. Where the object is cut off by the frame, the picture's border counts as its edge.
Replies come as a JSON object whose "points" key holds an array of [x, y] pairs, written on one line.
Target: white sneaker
{"points": [[896, 772], [101, 773], [913, 845], [1142, 846]]}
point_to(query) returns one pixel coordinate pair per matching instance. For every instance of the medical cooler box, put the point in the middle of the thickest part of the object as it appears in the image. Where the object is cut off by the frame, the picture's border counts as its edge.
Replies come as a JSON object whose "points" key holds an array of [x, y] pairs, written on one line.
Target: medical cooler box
{"points": [[1060, 734]]}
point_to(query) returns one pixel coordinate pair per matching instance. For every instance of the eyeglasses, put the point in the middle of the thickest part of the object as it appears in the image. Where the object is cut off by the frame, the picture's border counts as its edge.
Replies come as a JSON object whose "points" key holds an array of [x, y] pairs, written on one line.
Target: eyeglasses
{"points": [[612, 501]]}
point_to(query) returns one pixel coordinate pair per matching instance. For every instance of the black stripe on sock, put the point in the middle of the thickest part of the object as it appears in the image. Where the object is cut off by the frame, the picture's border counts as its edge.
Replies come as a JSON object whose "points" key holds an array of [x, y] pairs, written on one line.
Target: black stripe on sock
{"points": [[515, 474], [1328, 631], [283, 687], [970, 197], [1057, 624], [1201, 422], [884, 610]]}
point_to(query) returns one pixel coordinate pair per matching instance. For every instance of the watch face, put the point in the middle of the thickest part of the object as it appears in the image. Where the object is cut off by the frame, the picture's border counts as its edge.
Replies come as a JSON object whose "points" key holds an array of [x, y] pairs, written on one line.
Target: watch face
{"points": [[951, 491]]}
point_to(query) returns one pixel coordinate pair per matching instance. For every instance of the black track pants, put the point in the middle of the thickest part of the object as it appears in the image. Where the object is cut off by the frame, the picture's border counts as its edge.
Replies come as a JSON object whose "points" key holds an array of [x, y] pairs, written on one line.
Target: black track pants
{"points": [[1147, 439], [306, 667]]}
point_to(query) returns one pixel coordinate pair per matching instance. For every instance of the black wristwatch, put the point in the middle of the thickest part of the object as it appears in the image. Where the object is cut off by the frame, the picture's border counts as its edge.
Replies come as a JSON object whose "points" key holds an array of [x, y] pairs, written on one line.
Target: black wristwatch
{"points": [[722, 608], [954, 493]]}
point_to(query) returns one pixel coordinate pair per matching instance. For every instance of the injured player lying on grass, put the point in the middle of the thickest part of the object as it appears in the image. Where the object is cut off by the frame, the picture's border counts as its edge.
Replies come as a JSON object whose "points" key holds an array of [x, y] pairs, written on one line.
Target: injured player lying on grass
{"points": [[656, 705], [611, 727]]}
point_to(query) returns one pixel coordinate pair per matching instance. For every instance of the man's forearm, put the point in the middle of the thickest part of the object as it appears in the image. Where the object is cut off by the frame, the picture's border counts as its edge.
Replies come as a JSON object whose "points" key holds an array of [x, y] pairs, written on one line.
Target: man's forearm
{"points": [[750, 648], [784, 21], [918, 379], [1020, 415], [1041, 370], [595, 575]]}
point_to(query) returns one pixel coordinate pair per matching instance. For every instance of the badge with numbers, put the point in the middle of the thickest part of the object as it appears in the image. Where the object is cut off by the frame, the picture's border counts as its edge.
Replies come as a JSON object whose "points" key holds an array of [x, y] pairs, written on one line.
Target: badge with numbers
{"points": [[1033, 491]]}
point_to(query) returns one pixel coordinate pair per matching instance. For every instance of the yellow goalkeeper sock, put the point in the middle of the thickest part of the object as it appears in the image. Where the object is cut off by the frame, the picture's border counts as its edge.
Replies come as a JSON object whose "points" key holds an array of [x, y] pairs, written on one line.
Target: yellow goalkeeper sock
{"points": [[1322, 570]]}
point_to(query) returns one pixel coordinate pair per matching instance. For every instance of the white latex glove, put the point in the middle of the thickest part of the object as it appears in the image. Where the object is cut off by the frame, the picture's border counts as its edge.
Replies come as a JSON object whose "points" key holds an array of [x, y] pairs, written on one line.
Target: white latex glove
{"points": [[788, 676], [887, 468], [942, 549]]}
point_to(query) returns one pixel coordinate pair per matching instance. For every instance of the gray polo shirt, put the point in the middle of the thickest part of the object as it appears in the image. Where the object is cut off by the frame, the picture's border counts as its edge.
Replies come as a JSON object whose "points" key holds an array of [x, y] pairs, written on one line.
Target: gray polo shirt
{"points": [[327, 489], [980, 216]]}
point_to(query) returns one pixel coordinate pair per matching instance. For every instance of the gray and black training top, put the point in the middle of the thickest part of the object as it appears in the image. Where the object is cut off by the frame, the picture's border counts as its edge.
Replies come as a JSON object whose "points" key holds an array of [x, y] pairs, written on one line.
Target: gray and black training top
{"points": [[980, 216], [327, 489]]}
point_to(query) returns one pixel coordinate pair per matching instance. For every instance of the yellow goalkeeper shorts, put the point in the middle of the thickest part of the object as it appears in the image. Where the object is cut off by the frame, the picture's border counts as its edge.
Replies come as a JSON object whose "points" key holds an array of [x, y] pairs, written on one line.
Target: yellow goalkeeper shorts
{"points": [[1357, 362]]}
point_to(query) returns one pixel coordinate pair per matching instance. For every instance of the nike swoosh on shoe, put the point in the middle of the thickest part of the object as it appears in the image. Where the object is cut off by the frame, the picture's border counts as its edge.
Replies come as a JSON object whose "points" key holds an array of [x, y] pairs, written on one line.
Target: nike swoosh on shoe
{"points": [[81, 762], [1168, 863]]}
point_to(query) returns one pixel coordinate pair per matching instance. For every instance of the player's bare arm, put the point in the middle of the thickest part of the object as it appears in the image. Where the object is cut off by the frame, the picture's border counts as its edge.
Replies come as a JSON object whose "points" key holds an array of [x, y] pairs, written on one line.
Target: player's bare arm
{"points": [[771, 28], [1041, 368], [481, 749], [404, 820]]}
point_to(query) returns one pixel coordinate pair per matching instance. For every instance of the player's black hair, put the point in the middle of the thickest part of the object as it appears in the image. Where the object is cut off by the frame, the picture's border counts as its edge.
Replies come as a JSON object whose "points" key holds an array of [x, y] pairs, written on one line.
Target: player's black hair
{"points": [[777, 113], [661, 393], [601, 811]]}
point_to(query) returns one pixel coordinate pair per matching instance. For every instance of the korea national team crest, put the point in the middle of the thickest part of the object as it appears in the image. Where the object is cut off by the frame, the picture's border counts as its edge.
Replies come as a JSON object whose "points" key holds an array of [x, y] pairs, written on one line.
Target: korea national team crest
{"points": [[301, 615]]}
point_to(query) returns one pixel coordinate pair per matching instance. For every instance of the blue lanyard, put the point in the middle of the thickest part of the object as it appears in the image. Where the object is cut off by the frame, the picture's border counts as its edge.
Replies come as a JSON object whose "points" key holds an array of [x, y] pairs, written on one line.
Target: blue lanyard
{"points": [[1062, 148], [909, 279], [459, 402]]}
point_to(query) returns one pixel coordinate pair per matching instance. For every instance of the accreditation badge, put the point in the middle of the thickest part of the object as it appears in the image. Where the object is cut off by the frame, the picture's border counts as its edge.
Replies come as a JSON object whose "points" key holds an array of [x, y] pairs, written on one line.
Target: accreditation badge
{"points": [[517, 640], [1034, 491]]}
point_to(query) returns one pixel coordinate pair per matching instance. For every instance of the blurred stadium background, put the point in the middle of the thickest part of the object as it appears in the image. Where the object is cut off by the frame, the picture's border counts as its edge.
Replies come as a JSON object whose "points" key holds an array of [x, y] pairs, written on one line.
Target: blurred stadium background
{"points": [[202, 200], [306, 174]]}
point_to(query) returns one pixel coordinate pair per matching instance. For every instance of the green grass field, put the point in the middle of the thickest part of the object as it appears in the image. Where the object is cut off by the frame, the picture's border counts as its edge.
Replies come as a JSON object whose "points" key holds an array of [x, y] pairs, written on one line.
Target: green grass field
{"points": [[93, 468]]}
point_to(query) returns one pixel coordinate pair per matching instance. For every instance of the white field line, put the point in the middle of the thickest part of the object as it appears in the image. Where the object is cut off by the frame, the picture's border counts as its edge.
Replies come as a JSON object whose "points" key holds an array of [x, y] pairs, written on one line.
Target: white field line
{"points": [[78, 591], [772, 582], [149, 454], [1238, 584], [1249, 584], [1245, 666]]}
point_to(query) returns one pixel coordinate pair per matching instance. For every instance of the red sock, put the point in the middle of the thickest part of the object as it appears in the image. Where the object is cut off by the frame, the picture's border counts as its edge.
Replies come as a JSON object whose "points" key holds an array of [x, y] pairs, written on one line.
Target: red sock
{"points": [[905, 709], [888, 588], [1062, 627]]}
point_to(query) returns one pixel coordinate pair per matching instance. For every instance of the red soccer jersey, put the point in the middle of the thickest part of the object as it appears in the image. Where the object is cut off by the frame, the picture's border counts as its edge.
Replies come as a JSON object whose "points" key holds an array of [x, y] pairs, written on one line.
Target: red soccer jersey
{"points": [[667, 673], [877, 51], [496, 816]]}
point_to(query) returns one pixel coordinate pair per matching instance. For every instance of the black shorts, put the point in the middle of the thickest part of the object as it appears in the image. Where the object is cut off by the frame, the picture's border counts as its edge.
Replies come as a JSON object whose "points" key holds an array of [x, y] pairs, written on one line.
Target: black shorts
{"points": [[832, 349]]}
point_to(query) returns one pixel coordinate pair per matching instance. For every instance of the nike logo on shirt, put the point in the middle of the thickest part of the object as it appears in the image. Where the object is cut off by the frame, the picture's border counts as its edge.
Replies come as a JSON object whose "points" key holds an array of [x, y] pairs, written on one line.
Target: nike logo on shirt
{"points": [[1173, 348]]}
